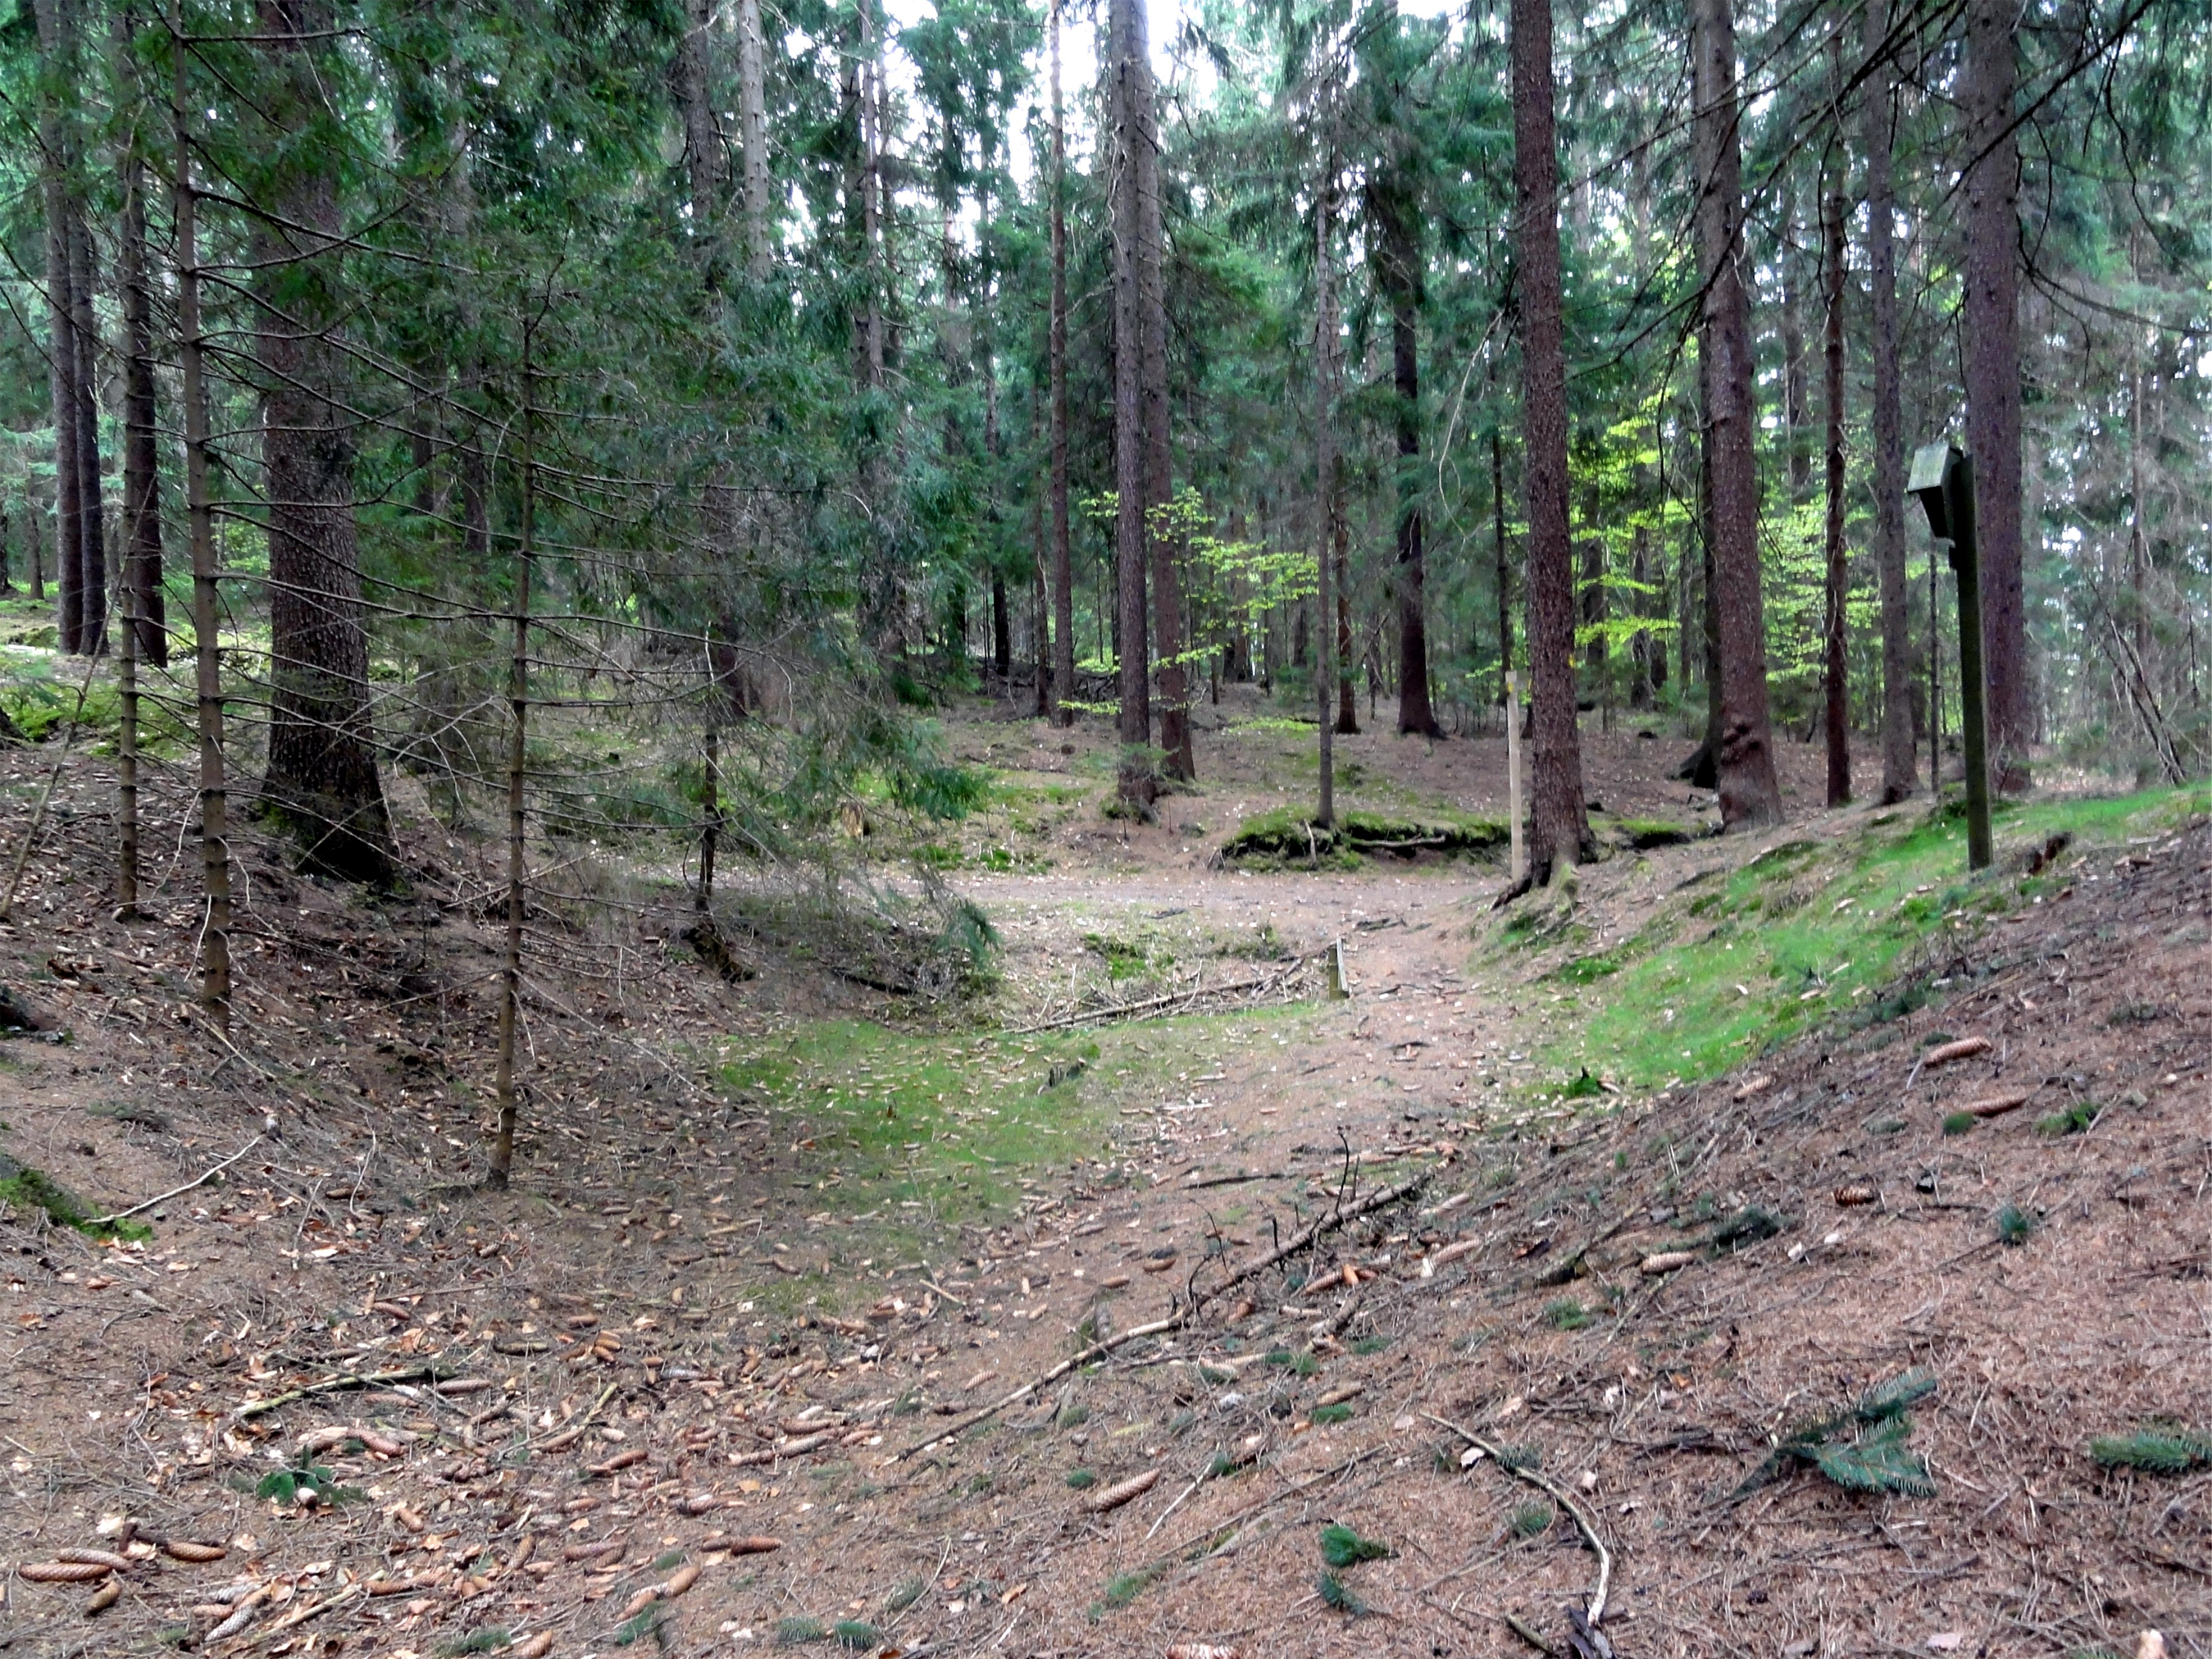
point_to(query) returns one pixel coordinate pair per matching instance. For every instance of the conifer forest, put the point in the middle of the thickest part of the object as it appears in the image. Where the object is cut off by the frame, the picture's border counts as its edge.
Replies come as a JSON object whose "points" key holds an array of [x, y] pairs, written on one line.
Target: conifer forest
{"points": [[1211, 830]]}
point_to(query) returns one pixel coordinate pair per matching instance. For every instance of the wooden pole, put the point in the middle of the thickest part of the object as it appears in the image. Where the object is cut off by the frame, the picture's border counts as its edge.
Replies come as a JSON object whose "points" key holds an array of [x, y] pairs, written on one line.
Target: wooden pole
{"points": [[1513, 773]]}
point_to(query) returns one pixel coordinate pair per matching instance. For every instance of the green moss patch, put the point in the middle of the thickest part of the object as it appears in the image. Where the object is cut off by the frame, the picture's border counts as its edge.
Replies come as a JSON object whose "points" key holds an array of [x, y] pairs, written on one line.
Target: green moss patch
{"points": [[1286, 839], [23, 1188]]}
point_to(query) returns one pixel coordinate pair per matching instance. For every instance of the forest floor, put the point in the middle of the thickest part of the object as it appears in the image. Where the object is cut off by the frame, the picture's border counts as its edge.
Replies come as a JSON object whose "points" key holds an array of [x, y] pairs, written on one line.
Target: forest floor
{"points": [[1700, 1228]]}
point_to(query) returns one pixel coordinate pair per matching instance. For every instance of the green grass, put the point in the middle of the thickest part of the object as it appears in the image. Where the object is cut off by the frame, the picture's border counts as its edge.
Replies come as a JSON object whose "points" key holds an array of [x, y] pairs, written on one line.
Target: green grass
{"points": [[950, 1122], [23, 1187], [1811, 932], [2076, 1119]]}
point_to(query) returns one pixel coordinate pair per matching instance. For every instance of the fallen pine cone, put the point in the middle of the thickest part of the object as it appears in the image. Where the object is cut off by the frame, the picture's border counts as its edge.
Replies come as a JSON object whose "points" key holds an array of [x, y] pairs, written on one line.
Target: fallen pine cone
{"points": [[640, 1601], [1122, 1492], [1996, 1105], [1338, 1396], [1114, 1282], [184, 1549], [1754, 1086], [1450, 1253], [106, 1558], [457, 1385], [755, 1546], [1665, 1262], [620, 1460], [64, 1572], [393, 1586], [680, 1580], [595, 1550], [104, 1598], [1853, 1194], [1201, 1650], [535, 1648], [1944, 1053], [1159, 1266], [701, 1502]]}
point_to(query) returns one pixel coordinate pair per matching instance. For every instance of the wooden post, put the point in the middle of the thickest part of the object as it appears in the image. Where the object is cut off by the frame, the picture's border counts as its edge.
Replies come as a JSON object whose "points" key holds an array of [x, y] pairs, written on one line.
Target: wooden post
{"points": [[1513, 773]]}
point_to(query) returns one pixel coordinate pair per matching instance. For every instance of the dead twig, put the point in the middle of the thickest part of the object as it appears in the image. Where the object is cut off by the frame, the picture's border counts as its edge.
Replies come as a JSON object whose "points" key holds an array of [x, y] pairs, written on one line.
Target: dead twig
{"points": [[333, 1384], [122, 1215], [1537, 1478], [1073, 1362]]}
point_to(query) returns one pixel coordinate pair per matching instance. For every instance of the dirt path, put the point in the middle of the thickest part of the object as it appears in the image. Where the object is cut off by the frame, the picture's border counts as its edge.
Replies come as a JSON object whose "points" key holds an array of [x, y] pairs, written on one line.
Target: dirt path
{"points": [[729, 1305]]}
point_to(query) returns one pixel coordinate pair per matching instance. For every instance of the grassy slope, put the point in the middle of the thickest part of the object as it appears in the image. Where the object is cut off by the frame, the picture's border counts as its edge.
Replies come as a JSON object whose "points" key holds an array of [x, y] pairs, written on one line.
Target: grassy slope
{"points": [[1816, 931]]}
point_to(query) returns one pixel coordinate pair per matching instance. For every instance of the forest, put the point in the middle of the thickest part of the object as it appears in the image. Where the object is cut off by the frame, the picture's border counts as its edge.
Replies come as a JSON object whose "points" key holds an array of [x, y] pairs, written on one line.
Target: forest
{"points": [[744, 678]]}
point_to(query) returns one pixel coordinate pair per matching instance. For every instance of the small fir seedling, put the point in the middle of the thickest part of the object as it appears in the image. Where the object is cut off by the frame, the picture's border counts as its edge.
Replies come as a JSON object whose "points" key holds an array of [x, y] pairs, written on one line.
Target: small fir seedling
{"points": [[1531, 1519], [908, 1592], [1340, 1546], [490, 1639], [1331, 1413], [2015, 1226], [649, 1623], [2155, 1449], [1336, 1595], [1083, 1479], [1524, 1455], [2076, 1119], [791, 1632], [1959, 1123], [857, 1633], [1566, 1315]]}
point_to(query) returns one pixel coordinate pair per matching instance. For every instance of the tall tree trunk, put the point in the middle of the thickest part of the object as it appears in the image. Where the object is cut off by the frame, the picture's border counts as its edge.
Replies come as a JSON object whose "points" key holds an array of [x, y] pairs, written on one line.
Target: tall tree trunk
{"points": [[141, 466], [1559, 833], [1832, 272], [1898, 738], [1063, 573], [1749, 794], [1505, 566], [1794, 418], [702, 138], [1141, 126], [1328, 470], [207, 663], [1398, 268], [1991, 325], [55, 25], [92, 530], [1134, 726], [517, 701], [752, 128], [322, 758]]}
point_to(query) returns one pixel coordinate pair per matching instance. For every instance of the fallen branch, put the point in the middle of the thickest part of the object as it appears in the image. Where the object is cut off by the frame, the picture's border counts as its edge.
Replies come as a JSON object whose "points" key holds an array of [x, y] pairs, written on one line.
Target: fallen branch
{"points": [[332, 1385], [1306, 1236], [1121, 1009], [1595, 1610], [124, 1215], [1095, 1351]]}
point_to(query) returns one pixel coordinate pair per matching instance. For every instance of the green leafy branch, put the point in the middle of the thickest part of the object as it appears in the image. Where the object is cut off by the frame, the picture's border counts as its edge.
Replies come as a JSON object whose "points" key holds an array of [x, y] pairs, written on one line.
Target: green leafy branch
{"points": [[1861, 1448]]}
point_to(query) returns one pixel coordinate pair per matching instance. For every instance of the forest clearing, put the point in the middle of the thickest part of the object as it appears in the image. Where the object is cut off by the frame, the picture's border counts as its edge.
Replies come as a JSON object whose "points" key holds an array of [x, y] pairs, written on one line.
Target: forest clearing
{"points": [[1208, 830], [783, 1243]]}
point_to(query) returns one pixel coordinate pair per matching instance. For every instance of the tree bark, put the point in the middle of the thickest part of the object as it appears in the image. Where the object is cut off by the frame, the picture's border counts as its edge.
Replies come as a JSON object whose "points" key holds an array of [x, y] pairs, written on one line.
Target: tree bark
{"points": [[1991, 325], [1559, 833], [141, 466], [207, 663], [1329, 502], [1838, 588], [702, 138], [1505, 567], [1794, 401], [752, 127], [322, 759], [517, 698], [1898, 738], [55, 23], [92, 530], [1398, 269], [1172, 678], [1750, 796], [1063, 574], [1134, 726]]}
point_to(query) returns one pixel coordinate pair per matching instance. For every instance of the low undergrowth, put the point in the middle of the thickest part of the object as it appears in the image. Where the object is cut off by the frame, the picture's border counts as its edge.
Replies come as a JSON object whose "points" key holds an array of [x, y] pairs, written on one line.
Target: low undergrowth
{"points": [[1738, 962]]}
